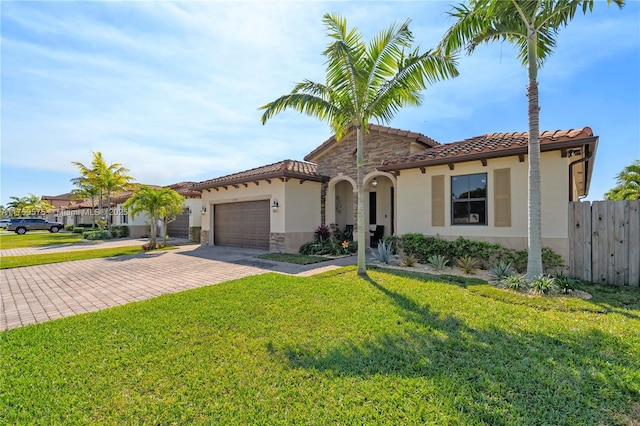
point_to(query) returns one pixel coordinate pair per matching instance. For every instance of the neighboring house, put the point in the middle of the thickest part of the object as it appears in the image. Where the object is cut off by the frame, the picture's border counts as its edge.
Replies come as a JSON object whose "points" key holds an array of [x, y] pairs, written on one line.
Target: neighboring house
{"points": [[191, 218], [58, 202], [82, 213], [476, 188]]}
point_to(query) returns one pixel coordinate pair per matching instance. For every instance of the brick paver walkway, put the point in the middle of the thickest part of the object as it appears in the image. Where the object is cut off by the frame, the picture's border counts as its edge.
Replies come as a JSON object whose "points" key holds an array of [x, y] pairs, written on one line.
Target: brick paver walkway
{"points": [[41, 293]]}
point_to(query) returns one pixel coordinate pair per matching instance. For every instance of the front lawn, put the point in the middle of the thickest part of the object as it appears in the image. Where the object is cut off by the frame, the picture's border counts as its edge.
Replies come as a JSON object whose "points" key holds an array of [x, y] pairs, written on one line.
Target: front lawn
{"points": [[11, 240], [7, 262], [329, 349]]}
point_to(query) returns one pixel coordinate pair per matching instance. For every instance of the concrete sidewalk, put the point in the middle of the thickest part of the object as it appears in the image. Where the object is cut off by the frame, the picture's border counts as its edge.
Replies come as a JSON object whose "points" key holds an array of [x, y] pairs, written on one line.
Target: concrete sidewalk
{"points": [[41, 293]]}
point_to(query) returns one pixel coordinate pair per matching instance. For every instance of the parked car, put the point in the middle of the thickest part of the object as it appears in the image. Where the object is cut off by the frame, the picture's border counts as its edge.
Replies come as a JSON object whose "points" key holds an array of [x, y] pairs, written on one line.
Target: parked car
{"points": [[23, 224], [4, 223]]}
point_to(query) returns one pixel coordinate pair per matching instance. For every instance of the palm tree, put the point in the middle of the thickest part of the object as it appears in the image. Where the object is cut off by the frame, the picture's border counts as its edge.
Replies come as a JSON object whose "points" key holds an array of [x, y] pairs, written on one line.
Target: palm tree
{"points": [[627, 184], [31, 205], [364, 82], [86, 191], [107, 179], [531, 25], [159, 204]]}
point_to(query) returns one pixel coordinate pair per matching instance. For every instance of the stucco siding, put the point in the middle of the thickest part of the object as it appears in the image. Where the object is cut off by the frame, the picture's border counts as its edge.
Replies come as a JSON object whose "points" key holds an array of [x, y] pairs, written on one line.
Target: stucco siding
{"points": [[414, 199]]}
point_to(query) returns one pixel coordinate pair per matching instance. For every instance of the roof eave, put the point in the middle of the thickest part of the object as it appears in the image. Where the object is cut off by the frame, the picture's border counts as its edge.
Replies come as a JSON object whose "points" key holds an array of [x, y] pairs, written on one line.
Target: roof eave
{"points": [[553, 146], [274, 175]]}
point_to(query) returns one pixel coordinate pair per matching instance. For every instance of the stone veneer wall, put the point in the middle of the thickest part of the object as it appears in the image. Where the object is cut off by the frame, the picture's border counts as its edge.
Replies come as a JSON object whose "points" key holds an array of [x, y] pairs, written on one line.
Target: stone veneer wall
{"points": [[377, 147], [277, 242], [204, 237]]}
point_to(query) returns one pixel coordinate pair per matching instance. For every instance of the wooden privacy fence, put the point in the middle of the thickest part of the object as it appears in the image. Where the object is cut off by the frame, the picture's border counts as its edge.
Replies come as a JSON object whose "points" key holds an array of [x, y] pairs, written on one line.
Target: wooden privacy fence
{"points": [[604, 242]]}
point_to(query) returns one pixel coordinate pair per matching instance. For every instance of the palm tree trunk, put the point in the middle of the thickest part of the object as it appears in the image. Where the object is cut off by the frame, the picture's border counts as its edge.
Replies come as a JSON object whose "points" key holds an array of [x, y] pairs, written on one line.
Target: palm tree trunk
{"points": [[534, 258], [362, 266]]}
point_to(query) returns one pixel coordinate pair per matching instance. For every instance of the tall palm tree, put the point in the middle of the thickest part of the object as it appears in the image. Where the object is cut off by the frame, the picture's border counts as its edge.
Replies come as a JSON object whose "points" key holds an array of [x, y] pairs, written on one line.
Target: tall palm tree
{"points": [[159, 204], [531, 25], [108, 179], [627, 184], [364, 82]]}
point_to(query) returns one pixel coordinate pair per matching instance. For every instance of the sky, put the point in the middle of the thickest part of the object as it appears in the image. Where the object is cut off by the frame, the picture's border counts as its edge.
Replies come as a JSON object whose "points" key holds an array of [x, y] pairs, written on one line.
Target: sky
{"points": [[171, 90]]}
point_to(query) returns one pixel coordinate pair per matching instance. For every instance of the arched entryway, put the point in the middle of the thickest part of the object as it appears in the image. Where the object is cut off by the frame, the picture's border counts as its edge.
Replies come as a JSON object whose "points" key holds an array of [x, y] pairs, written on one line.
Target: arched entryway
{"points": [[379, 205]]}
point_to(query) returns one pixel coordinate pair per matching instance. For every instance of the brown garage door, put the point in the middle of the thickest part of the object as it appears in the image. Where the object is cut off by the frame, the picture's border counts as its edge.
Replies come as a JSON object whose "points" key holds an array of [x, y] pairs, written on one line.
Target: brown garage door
{"points": [[179, 228], [243, 224]]}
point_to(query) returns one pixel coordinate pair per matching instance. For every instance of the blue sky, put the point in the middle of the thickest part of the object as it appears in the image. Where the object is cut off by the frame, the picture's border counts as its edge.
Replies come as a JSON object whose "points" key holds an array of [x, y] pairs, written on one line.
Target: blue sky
{"points": [[171, 90]]}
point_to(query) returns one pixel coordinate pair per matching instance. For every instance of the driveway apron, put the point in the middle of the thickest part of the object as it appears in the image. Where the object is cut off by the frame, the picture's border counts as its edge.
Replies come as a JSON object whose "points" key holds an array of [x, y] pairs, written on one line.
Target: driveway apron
{"points": [[41, 293]]}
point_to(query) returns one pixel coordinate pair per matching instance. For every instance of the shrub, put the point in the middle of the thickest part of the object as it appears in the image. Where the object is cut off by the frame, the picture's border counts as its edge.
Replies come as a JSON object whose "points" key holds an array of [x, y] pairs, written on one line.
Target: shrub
{"points": [[78, 230], [384, 254], [408, 260], [95, 235], [68, 227], [120, 231], [468, 264], [487, 254], [565, 283], [437, 262], [322, 233]]}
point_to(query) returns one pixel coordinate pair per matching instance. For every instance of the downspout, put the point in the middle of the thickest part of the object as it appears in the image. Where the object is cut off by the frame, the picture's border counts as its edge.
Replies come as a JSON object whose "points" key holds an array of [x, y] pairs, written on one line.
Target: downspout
{"points": [[587, 157]]}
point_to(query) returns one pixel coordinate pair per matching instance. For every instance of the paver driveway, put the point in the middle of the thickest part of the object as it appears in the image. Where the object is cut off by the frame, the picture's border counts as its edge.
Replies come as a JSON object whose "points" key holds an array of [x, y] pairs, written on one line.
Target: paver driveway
{"points": [[41, 293]]}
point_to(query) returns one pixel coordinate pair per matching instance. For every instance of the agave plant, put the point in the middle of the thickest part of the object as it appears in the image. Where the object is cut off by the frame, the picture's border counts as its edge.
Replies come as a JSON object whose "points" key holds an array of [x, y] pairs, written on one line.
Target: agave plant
{"points": [[437, 262], [468, 264], [501, 270], [544, 284], [384, 254], [514, 282]]}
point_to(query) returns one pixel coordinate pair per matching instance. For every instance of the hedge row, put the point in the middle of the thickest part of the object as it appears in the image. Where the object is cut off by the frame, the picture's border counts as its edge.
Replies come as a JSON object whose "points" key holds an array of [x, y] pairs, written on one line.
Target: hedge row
{"points": [[422, 247]]}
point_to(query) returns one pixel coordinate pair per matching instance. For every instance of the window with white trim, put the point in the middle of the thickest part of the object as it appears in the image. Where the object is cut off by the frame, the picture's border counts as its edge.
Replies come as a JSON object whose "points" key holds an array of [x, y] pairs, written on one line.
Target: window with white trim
{"points": [[469, 199]]}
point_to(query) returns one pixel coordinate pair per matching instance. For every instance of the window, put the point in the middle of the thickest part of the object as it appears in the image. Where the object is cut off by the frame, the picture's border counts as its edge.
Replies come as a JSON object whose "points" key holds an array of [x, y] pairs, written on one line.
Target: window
{"points": [[469, 199]]}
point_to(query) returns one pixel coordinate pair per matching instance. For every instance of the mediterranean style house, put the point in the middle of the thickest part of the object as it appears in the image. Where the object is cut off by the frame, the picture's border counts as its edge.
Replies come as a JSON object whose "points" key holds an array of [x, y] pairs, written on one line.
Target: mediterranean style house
{"points": [[70, 211], [475, 188]]}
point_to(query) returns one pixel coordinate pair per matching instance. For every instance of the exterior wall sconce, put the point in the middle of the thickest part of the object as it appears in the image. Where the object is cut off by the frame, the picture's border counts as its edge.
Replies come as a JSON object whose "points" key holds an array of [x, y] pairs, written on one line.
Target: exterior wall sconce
{"points": [[374, 182], [274, 206], [203, 210]]}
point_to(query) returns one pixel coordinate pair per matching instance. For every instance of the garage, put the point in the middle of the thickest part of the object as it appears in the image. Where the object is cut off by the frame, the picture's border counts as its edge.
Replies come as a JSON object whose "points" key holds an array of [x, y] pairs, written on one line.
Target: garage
{"points": [[179, 228], [243, 224]]}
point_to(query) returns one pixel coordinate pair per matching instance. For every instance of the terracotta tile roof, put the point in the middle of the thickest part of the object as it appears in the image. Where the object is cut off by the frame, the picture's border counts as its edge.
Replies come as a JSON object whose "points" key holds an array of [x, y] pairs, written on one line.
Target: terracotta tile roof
{"points": [[426, 141], [64, 197], [491, 145], [282, 169], [186, 189]]}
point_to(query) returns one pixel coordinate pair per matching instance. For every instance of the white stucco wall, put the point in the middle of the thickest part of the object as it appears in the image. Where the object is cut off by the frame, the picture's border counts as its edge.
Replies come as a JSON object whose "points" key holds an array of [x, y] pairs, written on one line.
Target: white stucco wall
{"points": [[195, 205], [414, 201]]}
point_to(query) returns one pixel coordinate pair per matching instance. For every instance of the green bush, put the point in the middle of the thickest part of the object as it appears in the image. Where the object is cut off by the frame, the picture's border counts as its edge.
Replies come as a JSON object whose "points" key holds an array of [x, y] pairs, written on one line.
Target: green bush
{"points": [[95, 235], [119, 231], [488, 254], [68, 227], [78, 230]]}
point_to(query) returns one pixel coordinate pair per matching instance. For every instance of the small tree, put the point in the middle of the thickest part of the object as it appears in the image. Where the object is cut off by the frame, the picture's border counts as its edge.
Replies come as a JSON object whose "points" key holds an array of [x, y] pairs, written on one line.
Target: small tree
{"points": [[161, 204], [627, 184]]}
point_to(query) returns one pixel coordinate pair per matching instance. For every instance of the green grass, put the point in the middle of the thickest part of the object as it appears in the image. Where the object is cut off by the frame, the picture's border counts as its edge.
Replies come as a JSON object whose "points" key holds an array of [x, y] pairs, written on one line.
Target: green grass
{"points": [[329, 349], [11, 240], [298, 259], [7, 262]]}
